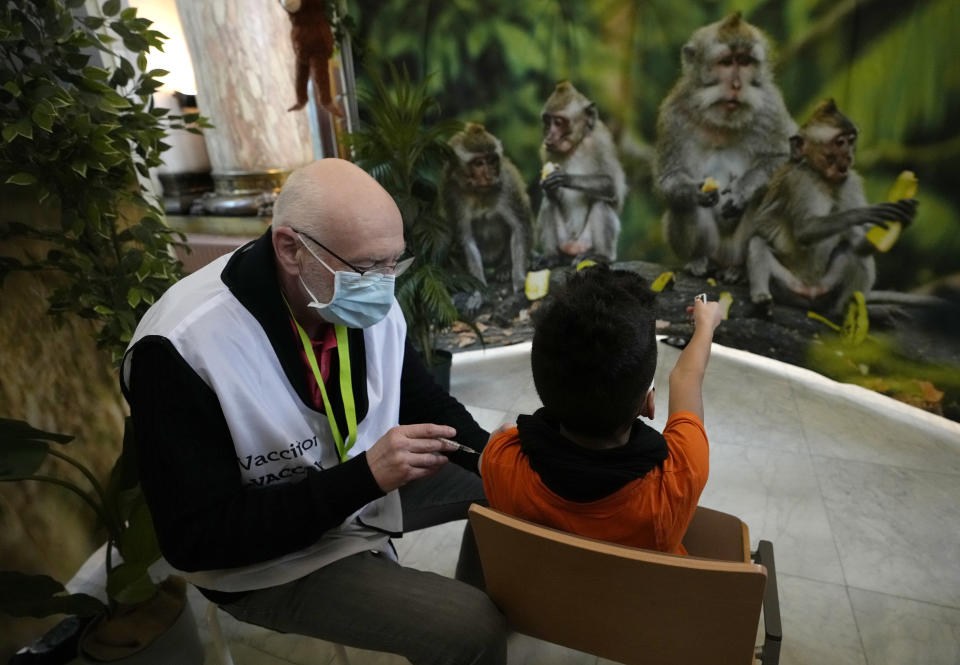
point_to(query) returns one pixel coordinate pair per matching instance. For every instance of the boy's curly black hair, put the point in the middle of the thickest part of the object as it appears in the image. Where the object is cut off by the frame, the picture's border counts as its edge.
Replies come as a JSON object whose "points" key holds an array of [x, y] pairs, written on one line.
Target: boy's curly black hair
{"points": [[594, 350]]}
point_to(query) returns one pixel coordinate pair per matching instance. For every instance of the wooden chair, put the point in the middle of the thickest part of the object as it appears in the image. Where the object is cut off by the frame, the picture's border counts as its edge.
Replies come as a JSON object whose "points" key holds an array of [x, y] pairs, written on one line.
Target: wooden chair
{"points": [[633, 605]]}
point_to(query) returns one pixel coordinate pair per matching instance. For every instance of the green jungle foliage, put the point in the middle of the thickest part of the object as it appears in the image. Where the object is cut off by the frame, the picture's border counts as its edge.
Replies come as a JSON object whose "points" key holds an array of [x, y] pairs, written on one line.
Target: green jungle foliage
{"points": [[404, 146], [890, 66], [878, 363], [80, 139], [121, 512]]}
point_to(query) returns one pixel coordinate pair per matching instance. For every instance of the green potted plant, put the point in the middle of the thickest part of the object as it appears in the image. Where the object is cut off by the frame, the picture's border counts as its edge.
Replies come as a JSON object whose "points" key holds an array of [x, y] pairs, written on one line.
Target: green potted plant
{"points": [[77, 140], [404, 147], [139, 615]]}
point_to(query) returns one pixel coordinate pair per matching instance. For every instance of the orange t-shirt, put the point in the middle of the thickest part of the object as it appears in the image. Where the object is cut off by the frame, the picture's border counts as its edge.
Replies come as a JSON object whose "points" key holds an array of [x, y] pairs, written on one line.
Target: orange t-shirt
{"points": [[652, 512]]}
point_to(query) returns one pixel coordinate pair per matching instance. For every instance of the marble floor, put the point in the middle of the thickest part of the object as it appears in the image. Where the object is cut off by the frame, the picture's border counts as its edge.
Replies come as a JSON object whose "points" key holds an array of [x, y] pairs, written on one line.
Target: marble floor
{"points": [[859, 494]]}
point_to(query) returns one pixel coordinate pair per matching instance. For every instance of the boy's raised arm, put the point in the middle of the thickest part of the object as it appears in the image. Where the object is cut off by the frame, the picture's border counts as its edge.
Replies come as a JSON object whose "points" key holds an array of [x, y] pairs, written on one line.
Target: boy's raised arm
{"points": [[686, 379]]}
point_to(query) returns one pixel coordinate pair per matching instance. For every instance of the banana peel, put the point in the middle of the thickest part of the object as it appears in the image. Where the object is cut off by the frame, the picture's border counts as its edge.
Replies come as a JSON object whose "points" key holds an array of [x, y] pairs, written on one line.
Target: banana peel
{"points": [[663, 280], [725, 301], [822, 319], [905, 187], [586, 263], [537, 284], [856, 321]]}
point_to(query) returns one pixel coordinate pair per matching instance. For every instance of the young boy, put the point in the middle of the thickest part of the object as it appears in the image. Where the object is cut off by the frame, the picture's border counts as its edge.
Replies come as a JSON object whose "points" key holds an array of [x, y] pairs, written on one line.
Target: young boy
{"points": [[584, 463]]}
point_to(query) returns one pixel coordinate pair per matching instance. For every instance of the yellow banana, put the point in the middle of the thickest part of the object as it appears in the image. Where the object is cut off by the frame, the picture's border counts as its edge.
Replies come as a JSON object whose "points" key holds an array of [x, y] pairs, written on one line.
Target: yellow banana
{"points": [[586, 263], [904, 188], [662, 282], [537, 284], [725, 300], [547, 169]]}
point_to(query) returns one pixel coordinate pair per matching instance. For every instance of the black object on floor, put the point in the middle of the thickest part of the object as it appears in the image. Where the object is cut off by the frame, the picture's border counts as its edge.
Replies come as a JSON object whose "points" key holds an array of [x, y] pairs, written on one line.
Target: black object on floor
{"points": [[58, 645]]}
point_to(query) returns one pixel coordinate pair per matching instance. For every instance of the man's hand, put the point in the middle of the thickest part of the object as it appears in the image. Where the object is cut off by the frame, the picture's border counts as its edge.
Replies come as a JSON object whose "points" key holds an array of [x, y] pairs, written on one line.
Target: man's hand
{"points": [[408, 452]]}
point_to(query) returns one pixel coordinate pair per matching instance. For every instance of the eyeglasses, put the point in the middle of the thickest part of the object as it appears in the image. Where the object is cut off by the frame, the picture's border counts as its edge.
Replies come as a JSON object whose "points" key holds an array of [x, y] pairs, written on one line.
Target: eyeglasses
{"points": [[395, 269]]}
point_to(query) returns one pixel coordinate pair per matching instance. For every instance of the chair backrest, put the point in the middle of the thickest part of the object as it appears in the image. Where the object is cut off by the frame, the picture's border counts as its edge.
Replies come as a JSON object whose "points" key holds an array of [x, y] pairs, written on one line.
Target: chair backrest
{"points": [[623, 603], [715, 535]]}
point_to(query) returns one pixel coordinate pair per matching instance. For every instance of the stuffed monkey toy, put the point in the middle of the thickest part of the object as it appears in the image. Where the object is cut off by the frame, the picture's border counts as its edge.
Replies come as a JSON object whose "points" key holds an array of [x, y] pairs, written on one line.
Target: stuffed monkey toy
{"points": [[313, 46]]}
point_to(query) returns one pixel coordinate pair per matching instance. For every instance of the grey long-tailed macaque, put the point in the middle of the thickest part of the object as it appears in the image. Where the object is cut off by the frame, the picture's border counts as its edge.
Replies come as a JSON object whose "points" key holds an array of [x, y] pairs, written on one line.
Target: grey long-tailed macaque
{"points": [[724, 119], [583, 195], [810, 247], [485, 197]]}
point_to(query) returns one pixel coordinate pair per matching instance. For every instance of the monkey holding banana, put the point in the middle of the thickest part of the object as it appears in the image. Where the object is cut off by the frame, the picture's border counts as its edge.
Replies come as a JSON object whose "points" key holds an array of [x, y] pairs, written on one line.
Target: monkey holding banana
{"points": [[809, 246], [584, 185], [721, 133], [485, 198]]}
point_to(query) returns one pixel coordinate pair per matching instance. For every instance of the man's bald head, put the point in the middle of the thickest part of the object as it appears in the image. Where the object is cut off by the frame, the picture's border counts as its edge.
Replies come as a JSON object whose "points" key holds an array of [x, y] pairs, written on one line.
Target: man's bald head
{"points": [[333, 211], [333, 199]]}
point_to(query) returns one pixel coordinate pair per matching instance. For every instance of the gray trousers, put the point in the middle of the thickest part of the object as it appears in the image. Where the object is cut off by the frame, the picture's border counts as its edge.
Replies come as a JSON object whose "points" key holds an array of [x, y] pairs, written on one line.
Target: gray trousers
{"points": [[371, 602]]}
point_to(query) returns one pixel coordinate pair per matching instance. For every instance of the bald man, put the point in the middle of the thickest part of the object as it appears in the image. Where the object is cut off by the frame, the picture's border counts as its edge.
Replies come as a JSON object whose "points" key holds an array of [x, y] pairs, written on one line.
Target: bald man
{"points": [[286, 430]]}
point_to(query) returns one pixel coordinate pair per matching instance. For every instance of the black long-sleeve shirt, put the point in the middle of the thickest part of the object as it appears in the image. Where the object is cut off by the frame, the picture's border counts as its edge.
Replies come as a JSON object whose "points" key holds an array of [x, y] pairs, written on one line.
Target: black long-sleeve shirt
{"points": [[205, 517]]}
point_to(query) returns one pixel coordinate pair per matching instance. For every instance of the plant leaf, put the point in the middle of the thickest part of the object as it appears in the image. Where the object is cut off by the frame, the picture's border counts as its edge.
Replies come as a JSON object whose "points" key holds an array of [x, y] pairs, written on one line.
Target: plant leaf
{"points": [[111, 7], [138, 542], [130, 584], [22, 127], [19, 458], [21, 178], [19, 430]]}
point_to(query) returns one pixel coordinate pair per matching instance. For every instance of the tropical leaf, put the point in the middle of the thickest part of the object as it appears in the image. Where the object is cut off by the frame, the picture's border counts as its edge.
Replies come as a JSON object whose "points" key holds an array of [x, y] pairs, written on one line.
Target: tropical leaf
{"points": [[798, 15], [522, 52], [23, 448], [404, 147], [747, 6], [925, 82]]}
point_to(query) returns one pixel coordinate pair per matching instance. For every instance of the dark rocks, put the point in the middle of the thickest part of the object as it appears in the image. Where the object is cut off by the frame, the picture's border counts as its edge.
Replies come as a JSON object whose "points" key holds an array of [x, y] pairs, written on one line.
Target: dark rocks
{"points": [[921, 333]]}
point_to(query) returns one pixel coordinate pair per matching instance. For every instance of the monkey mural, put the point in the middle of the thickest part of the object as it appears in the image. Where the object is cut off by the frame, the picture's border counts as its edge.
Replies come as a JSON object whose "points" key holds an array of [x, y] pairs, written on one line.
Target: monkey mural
{"points": [[721, 133], [810, 247], [313, 46], [485, 198], [584, 185]]}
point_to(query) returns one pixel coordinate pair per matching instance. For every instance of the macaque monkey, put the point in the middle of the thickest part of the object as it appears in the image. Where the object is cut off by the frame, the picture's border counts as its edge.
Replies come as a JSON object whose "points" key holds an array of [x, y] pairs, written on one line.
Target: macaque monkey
{"points": [[313, 46], [721, 133], [810, 247], [585, 185], [485, 197]]}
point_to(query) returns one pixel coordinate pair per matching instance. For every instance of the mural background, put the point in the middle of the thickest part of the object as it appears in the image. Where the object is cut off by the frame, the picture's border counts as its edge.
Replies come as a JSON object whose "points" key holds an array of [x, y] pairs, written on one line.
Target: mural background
{"points": [[891, 66]]}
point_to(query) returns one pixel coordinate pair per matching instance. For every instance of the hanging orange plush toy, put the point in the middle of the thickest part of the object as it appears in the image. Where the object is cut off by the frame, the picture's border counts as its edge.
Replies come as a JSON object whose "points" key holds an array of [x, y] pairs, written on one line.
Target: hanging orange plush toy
{"points": [[313, 47]]}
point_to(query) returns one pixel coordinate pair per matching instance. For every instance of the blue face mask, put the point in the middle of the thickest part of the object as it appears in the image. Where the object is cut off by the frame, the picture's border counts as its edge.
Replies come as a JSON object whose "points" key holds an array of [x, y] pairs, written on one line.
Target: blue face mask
{"points": [[359, 301]]}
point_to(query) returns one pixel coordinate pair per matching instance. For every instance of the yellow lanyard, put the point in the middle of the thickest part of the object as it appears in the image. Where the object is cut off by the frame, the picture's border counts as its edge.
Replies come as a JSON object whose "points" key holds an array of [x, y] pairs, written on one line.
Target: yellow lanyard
{"points": [[346, 385]]}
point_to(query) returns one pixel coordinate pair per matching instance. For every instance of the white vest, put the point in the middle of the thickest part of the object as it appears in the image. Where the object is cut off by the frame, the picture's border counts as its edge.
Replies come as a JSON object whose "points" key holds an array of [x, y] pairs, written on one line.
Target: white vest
{"points": [[276, 436]]}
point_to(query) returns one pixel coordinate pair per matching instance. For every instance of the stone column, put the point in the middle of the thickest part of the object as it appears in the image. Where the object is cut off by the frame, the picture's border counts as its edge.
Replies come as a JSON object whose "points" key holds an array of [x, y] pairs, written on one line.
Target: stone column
{"points": [[244, 66]]}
